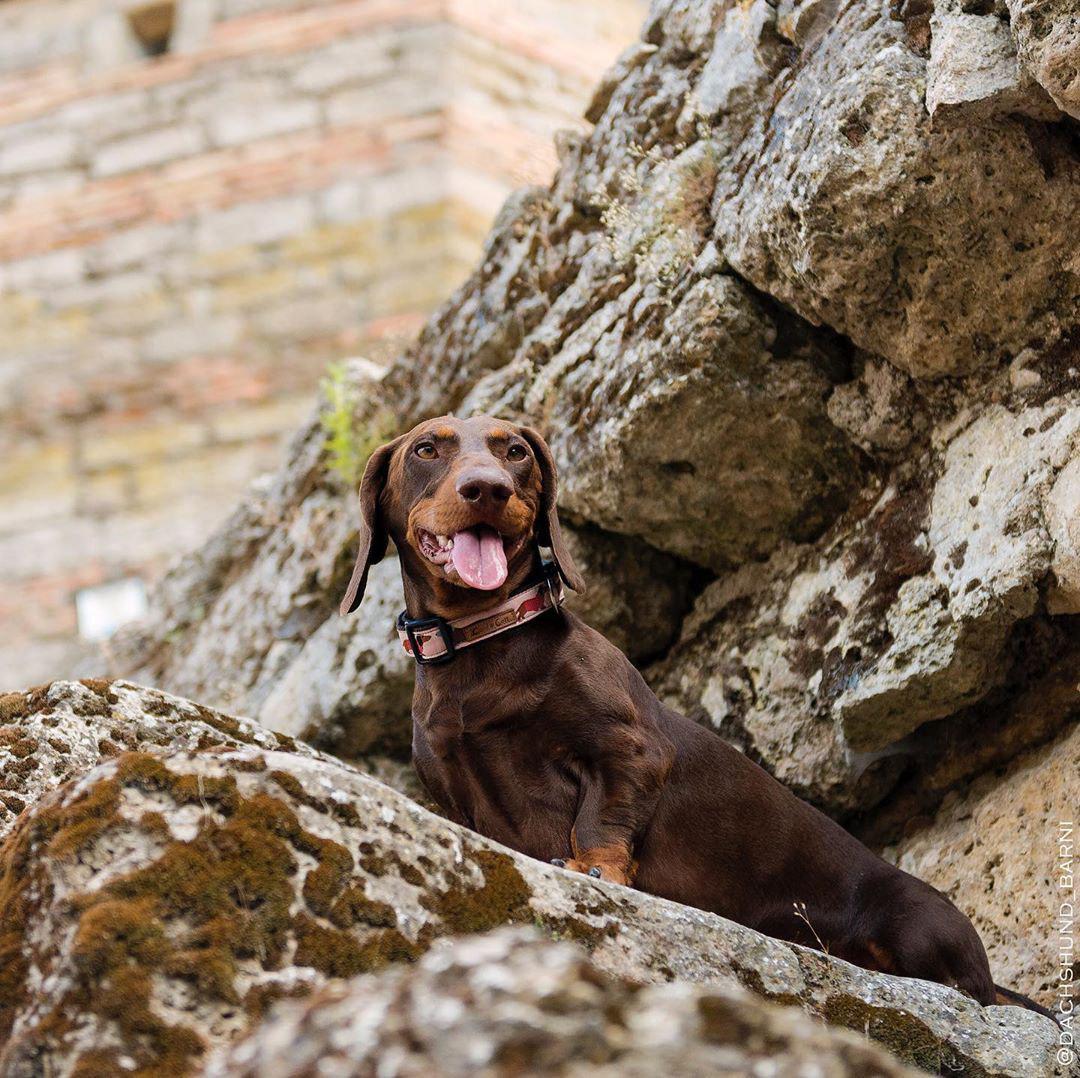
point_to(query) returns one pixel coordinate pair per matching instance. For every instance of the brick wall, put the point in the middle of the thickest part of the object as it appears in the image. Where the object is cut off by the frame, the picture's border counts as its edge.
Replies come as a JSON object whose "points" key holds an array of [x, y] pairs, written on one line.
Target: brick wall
{"points": [[187, 239]]}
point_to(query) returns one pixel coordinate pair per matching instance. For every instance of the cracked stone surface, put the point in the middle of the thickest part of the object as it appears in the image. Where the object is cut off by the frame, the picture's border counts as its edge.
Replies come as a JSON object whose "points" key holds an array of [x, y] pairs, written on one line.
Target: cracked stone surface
{"points": [[754, 173], [973, 68], [56, 732], [823, 661], [1048, 40]]}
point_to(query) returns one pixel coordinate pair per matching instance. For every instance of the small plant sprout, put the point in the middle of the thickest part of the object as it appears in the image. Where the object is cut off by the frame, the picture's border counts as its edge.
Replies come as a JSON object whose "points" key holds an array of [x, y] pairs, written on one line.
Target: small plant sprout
{"points": [[800, 913], [349, 443]]}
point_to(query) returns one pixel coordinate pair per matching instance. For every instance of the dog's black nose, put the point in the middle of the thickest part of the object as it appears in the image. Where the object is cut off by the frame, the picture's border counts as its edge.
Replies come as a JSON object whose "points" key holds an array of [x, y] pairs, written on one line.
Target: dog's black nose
{"points": [[484, 487]]}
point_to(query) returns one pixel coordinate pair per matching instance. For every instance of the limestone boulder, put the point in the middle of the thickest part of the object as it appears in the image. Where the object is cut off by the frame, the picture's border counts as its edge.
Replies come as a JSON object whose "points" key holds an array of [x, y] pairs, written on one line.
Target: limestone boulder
{"points": [[832, 663], [1048, 40], [843, 198], [636, 595], [973, 69], [727, 313], [348, 688], [56, 732], [704, 434], [152, 908], [514, 1000]]}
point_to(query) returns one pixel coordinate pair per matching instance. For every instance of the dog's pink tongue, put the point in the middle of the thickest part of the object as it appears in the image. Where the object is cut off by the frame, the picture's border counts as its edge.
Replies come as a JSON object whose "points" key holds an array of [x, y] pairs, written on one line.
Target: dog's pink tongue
{"points": [[479, 558]]}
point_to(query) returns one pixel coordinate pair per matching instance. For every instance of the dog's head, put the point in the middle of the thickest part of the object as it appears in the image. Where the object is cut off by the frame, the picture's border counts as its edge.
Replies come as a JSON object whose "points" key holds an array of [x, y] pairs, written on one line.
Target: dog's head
{"points": [[465, 502]]}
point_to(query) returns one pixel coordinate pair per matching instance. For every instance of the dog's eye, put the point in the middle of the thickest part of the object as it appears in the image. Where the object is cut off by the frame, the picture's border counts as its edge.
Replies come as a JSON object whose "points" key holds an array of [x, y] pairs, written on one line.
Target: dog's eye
{"points": [[426, 451], [516, 452]]}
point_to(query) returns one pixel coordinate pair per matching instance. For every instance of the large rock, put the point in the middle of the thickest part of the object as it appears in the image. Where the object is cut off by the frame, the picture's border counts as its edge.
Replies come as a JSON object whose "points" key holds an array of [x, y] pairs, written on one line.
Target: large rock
{"points": [[938, 247], [823, 661], [153, 907], [349, 686], [743, 152], [696, 421], [637, 596], [511, 1001], [56, 732], [982, 846]]}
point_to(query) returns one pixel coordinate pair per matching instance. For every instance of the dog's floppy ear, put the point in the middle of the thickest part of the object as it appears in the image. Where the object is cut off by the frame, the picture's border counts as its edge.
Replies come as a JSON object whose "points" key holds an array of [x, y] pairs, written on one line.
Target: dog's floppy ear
{"points": [[548, 532], [373, 534]]}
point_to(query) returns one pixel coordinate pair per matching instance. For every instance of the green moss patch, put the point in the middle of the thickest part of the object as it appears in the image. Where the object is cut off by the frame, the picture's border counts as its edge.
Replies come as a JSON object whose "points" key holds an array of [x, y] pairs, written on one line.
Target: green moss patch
{"points": [[502, 898], [197, 910]]}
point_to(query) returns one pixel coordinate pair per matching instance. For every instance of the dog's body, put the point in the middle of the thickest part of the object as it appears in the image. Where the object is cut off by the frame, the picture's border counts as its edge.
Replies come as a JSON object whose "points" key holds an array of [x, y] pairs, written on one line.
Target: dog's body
{"points": [[571, 756], [548, 740]]}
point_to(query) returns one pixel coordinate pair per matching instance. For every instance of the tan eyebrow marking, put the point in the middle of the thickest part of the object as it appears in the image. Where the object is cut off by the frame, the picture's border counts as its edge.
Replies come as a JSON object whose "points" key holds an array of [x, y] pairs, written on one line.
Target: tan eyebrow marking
{"points": [[499, 434], [445, 432]]}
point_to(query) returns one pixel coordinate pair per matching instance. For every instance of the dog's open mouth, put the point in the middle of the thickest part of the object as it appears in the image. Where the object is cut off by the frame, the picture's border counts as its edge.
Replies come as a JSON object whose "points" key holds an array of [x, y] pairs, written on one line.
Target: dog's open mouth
{"points": [[478, 555]]}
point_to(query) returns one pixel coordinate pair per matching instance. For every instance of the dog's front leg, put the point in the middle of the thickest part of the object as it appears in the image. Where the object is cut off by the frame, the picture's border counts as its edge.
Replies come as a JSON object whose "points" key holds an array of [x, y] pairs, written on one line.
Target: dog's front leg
{"points": [[613, 861], [443, 727], [625, 768]]}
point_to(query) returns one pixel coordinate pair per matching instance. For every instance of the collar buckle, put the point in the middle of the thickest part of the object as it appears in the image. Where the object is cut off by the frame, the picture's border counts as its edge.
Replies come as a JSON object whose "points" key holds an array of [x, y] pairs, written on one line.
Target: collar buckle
{"points": [[411, 626], [554, 583]]}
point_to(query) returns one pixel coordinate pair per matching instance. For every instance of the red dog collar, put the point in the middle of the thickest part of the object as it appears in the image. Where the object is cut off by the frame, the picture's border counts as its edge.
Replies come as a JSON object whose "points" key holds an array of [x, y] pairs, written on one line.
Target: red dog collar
{"points": [[435, 640]]}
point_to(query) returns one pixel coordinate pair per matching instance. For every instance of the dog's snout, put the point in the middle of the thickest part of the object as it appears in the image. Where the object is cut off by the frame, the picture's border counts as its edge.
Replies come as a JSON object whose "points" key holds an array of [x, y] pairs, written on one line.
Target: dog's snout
{"points": [[484, 487]]}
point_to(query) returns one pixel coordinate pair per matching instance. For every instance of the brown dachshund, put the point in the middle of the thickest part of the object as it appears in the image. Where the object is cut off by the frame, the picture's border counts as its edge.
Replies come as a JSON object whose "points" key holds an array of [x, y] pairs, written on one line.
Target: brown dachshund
{"points": [[547, 739]]}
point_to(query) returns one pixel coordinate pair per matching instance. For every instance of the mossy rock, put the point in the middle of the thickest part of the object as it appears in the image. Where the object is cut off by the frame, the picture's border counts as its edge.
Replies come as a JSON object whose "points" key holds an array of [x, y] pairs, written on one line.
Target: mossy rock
{"points": [[152, 910]]}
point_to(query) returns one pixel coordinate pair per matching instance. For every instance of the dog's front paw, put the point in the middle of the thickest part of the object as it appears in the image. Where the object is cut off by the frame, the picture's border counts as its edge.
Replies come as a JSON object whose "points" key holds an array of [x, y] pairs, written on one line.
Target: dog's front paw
{"points": [[597, 872]]}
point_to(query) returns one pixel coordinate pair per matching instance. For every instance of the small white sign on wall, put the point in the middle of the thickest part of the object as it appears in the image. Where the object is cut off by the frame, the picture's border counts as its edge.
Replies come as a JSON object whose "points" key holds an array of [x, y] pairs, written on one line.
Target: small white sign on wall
{"points": [[102, 609]]}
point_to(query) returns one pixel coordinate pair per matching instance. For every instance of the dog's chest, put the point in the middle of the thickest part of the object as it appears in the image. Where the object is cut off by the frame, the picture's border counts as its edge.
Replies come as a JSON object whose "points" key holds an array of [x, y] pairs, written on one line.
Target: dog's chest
{"points": [[505, 776]]}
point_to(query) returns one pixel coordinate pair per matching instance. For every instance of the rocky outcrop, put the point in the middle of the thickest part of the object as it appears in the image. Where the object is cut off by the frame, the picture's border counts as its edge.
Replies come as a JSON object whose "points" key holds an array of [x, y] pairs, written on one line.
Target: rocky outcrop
{"points": [[973, 71], [701, 395], [513, 1001], [57, 732], [799, 316], [847, 203], [836, 654], [152, 907]]}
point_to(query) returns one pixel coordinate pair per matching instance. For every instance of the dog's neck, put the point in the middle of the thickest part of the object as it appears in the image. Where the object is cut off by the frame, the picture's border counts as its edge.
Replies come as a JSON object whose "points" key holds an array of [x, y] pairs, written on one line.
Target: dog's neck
{"points": [[425, 598]]}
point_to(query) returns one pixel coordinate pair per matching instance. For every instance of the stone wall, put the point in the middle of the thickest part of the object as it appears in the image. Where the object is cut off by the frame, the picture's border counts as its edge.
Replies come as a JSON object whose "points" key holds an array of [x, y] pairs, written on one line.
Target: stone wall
{"points": [[186, 239]]}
